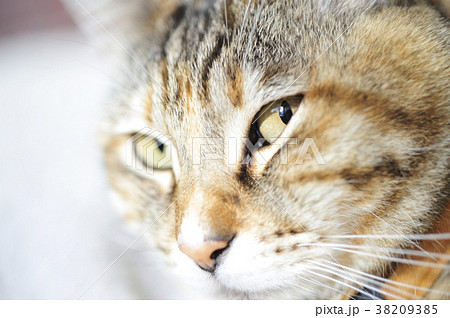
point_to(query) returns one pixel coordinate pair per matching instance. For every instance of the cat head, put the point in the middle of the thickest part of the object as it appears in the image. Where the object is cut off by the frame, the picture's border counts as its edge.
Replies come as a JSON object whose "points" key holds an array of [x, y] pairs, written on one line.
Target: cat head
{"points": [[280, 149]]}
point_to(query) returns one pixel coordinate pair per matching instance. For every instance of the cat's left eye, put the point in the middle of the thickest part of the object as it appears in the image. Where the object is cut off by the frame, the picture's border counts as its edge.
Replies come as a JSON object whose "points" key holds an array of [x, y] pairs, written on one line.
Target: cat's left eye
{"points": [[153, 153], [274, 117]]}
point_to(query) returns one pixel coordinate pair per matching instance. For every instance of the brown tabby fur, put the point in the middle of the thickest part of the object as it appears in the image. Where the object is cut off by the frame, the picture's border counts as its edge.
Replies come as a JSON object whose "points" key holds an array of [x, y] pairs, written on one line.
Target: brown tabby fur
{"points": [[375, 79]]}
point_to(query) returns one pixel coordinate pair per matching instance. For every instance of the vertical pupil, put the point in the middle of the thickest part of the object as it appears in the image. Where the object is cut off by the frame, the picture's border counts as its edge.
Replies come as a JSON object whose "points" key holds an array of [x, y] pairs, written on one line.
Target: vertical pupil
{"points": [[285, 112], [160, 146]]}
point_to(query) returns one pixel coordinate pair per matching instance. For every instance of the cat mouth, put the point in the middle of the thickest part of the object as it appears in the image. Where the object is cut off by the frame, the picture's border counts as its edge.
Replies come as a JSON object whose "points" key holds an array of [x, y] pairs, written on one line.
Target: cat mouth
{"points": [[241, 271], [208, 269]]}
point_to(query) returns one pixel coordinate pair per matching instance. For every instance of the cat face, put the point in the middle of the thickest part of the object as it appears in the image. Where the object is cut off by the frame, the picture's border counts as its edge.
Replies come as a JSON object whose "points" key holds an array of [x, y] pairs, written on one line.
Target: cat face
{"points": [[283, 149]]}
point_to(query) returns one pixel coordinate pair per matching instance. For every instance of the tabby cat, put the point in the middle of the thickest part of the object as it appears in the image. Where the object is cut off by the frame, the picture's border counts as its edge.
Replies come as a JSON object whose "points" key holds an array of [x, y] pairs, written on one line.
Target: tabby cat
{"points": [[283, 149]]}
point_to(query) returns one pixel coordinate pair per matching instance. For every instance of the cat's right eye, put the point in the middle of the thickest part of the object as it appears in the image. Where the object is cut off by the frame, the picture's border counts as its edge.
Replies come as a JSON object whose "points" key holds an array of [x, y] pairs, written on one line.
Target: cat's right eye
{"points": [[273, 118], [152, 153]]}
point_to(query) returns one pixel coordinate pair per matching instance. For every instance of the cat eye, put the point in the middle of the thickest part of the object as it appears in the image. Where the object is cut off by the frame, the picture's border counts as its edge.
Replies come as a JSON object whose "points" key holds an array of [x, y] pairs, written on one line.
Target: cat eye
{"points": [[274, 117], [152, 153]]}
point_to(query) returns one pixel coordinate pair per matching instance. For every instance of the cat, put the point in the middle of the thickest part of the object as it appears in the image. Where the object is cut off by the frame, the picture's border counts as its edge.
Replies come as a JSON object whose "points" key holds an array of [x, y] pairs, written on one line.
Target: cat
{"points": [[283, 149]]}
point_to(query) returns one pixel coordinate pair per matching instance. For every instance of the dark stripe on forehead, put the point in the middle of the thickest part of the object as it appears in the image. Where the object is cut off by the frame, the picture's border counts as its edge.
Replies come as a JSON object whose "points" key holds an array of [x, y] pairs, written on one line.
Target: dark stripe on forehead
{"points": [[209, 61], [175, 19], [178, 16], [203, 27]]}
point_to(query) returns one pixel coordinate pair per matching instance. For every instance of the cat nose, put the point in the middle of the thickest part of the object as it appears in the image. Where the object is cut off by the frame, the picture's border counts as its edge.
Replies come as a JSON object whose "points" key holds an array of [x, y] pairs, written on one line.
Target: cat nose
{"points": [[205, 254]]}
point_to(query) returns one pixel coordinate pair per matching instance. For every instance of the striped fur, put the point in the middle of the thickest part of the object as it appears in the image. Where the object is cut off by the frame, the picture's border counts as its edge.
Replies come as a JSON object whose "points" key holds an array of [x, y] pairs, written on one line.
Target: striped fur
{"points": [[375, 76]]}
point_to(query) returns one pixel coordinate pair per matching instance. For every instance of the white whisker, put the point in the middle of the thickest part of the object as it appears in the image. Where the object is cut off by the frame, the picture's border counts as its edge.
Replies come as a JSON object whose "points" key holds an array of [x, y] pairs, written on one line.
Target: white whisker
{"points": [[416, 237], [370, 281], [395, 259], [243, 23], [324, 285], [342, 283], [402, 236], [386, 249], [312, 291], [226, 21], [389, 281]]}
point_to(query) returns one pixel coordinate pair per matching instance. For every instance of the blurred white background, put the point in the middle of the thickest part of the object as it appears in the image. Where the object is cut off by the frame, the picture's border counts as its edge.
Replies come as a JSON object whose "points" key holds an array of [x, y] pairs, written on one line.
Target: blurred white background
{"points": [[58, 230]]}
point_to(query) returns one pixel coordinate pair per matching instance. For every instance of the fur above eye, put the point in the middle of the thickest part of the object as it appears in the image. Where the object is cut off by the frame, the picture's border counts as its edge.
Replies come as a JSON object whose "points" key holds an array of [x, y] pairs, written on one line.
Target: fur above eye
{"points": [[152, 153], [274, 117]]}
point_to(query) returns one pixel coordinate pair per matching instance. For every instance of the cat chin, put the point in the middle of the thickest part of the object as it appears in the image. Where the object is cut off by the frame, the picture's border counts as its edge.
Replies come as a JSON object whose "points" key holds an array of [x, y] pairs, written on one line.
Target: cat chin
{"points": [[264, 285]]}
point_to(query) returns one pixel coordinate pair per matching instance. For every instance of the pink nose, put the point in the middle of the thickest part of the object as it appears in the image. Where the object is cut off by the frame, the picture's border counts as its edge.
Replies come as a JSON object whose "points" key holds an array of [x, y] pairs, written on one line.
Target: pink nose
{"points": [[205, 255]]}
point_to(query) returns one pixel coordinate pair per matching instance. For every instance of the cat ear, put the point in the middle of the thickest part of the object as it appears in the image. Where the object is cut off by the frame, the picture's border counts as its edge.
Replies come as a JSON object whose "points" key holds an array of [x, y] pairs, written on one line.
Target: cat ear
{"points": [[103, 20], [113, 24]]}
